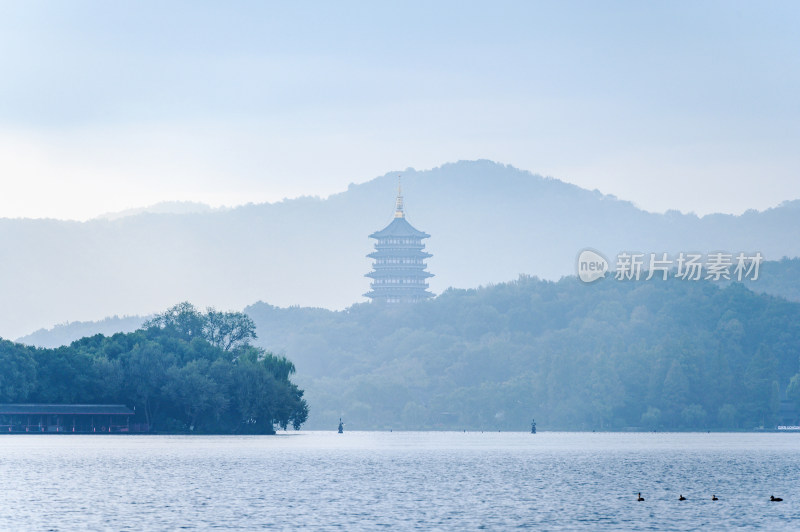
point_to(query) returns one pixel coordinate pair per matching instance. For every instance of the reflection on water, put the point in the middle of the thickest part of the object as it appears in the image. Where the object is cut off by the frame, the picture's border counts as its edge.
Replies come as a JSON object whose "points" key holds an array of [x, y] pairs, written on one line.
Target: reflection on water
{"points": [[358, 480]]}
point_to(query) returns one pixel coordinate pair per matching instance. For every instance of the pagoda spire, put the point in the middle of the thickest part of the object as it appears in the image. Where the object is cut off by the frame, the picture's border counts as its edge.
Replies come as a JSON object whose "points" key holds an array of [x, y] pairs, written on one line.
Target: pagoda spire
{"points": [[398, 212]]}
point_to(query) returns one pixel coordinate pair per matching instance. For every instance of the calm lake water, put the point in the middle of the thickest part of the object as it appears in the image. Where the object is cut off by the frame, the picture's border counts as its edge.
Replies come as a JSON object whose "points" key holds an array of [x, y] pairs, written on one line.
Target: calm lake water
{"points": [[428, 480]]}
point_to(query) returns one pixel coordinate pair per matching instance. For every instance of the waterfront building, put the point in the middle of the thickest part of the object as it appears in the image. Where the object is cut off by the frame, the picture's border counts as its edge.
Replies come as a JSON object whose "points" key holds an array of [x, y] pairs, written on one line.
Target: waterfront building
{"points": [[67, 418]]}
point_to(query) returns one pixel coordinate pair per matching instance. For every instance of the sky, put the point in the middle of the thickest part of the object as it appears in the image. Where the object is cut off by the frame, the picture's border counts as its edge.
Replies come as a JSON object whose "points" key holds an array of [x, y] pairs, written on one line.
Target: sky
{"points": [[106, 106]]}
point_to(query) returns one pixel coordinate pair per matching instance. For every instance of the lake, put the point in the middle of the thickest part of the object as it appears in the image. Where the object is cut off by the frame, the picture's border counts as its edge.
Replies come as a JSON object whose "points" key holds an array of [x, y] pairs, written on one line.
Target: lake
{"points": [[429, 480]]}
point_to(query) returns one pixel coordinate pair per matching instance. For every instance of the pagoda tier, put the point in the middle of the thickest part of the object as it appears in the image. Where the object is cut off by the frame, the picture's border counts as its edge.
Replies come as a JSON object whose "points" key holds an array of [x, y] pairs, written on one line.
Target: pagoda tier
{"points": [[399, 262], [404, 276], [399, 257]]}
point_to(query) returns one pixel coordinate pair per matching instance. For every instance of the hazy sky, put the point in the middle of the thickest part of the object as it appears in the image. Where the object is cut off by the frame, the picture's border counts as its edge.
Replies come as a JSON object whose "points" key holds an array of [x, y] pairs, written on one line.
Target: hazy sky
{"points": [[110, 105]]}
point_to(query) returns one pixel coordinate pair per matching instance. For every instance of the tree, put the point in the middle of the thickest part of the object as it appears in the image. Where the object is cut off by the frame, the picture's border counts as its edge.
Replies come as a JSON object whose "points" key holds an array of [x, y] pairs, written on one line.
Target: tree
{"points": [[675, 391], [183, 320], [190, 388], [265, 396], [793, 390], [228, 330], [652, 418], [726, 416], [146, 368], [760, 395], [694, 416], [606, 393], [18, 373]]}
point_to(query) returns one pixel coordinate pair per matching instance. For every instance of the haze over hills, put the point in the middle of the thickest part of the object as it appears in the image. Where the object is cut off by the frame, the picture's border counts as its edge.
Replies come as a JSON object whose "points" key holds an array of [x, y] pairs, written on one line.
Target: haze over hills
{"points": [[776, 278], [488, 222], [163, 207], [68, 332]]}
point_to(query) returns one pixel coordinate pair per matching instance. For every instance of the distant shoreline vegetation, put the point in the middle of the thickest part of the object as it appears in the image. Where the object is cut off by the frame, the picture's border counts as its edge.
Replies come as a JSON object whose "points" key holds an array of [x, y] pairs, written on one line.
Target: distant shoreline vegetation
{"points": [[611, 356], [651, 355], [184, 372]]}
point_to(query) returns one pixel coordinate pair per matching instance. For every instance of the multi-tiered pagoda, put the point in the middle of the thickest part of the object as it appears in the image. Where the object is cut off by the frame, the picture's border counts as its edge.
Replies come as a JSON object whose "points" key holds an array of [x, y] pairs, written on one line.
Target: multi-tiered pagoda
{"points": [[399, 269]]}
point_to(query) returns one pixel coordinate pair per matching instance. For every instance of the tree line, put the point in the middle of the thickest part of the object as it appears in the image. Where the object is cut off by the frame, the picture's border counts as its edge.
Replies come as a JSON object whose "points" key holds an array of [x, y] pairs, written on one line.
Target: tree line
{"points": [[183, 371], [657, 355]]}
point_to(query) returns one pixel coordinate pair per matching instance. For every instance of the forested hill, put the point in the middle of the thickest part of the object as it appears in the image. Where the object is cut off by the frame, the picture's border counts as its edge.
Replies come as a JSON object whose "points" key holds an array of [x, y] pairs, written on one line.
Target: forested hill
{"points": [[781, 278], [653, 355], [488, 223]]}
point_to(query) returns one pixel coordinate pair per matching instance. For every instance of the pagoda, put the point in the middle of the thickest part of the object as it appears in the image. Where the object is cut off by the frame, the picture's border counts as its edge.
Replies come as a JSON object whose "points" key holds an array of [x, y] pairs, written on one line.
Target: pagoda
{"points": [[398, 274]]}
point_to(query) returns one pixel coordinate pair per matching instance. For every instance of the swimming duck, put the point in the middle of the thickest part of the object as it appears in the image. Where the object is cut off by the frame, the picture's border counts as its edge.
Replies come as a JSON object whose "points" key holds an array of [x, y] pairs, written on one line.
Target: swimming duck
{"points": [[640, 499], [714, 498], [775, 499], [681, 498]]}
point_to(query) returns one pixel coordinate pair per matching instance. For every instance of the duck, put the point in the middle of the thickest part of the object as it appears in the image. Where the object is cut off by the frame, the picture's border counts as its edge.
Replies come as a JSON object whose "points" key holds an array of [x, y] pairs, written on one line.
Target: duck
{"points": [[714, 498], [640, 499], [775, 499], [681, 498]]}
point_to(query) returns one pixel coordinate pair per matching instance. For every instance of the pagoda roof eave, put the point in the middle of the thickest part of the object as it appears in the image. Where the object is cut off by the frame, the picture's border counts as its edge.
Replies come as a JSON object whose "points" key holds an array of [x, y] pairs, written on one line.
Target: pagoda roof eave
{"points": [[399, 228]]}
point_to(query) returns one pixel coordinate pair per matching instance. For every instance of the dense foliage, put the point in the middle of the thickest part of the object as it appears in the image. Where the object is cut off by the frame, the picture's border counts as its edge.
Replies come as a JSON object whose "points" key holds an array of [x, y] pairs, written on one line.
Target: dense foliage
{"points": [[182, 371], [664, 355]]}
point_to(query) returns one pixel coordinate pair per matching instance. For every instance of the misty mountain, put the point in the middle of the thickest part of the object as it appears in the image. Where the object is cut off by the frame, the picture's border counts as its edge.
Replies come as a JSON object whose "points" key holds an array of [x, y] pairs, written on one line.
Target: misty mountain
{"points": [[488, 222], [66, 333], [163, 207]]}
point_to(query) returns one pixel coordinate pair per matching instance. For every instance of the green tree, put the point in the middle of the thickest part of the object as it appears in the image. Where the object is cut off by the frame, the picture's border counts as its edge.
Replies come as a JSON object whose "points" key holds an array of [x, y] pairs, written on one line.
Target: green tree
{"points": [[228, 330], [759, 392], [694, 416], [726, 416], [146, 368], [606, 393], [651, 418], [793, 390], [192, 390], [18, 374], [182, 320], [265, 397], [675, 392]]}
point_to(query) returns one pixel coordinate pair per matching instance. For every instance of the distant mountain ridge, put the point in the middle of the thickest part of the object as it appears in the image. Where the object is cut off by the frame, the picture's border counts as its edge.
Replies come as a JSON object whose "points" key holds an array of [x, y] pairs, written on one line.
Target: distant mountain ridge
{"points": [[488, 223], [162, 207], [66, 333]]}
